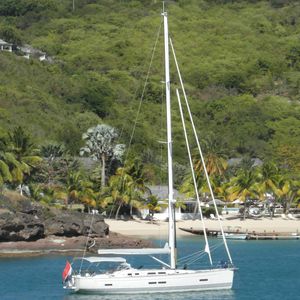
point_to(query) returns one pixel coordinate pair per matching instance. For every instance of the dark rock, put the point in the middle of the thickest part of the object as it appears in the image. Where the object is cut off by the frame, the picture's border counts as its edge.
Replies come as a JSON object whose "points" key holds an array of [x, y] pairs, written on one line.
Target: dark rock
{"points": [[75, 224], [29, 221], [20, 227]]}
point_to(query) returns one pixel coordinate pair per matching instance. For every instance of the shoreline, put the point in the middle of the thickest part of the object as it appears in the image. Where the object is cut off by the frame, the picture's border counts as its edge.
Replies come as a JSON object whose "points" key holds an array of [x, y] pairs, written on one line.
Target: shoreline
{"points": [[69, 245], [144, 229], [138, 234]]}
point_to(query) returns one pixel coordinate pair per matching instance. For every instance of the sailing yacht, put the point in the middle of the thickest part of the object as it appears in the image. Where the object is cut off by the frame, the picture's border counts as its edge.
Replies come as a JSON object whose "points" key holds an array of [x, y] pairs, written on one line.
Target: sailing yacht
{"points": [[169, 278]]}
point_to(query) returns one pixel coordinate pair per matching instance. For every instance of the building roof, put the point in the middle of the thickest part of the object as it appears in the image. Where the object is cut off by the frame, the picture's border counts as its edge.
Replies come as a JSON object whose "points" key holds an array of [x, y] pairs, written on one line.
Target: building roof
{"points": [[161, 192], [237, 161], [30, 50], [4, 43]]}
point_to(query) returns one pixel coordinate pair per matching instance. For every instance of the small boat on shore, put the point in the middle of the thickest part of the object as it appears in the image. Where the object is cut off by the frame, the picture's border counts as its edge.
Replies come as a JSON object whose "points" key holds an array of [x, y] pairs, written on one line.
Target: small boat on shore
{"points": [[234, 236], [196, 231], [273, 237]]}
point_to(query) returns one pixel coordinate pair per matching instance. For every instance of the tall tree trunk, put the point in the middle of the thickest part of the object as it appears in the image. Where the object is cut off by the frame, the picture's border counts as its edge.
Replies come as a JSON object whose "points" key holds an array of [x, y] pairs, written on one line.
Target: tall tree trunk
{"points": [[288, 205], [21, 189], [103, 171], [131, 209], [284, 204], [245, 208], [118, 210], [67, 200]]}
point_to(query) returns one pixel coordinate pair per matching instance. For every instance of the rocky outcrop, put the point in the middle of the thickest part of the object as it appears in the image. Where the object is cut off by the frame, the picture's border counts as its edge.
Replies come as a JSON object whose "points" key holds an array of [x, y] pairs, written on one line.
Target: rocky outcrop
{"points": [[20, 227], [76, 224], [24, 220]]}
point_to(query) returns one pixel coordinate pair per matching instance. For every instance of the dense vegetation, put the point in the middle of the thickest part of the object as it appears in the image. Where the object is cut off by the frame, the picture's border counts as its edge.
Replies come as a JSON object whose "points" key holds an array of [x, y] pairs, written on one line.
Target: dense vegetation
{"points": [[239, 59]]}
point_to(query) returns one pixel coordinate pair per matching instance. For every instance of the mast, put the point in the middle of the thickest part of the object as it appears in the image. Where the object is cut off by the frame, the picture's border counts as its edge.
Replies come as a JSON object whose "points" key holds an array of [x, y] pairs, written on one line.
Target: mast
{"points": [[172, 238]]}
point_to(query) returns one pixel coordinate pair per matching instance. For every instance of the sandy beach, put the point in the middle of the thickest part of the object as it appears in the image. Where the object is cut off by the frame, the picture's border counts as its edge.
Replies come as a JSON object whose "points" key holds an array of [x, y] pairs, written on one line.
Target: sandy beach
{"points": [[141, 228]]}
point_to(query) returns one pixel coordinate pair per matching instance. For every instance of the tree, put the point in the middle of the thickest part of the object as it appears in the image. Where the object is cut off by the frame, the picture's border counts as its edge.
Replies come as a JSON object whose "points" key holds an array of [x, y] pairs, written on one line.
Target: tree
{"points": [[244, 186], [117, 192], [5, 157], [222, 191], [10, 35], [268, 175], [153, 205], [214, 157], [126, 187], [216, 165], [137, 186], [57, 164], [25, 153], [100, 144], [78, 189], [287, 191]]}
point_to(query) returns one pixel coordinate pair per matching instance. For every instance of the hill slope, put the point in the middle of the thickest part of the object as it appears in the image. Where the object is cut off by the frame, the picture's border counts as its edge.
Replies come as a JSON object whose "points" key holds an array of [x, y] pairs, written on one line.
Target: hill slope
{"points": [[240, 59]]}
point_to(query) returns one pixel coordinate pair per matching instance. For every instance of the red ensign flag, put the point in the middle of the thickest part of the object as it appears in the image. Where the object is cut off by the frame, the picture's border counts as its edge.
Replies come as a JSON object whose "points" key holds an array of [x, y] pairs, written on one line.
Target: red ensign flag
{"points": [[67, 271]]}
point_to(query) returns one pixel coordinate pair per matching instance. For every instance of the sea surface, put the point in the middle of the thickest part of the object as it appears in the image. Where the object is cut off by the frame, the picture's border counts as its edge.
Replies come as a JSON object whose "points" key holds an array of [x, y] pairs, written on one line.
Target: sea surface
{"points": [[266, 270]]}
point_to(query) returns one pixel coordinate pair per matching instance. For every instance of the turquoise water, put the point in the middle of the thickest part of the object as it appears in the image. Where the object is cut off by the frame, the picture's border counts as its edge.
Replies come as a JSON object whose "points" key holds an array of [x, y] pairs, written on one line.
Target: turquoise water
{"points": [[267, 270]]}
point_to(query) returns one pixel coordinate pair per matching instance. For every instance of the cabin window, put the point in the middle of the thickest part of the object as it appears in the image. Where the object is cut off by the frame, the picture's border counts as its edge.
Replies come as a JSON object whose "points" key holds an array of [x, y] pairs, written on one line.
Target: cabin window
{"points": [[151, 273], [162, 282], [161, 272], [203, 279], [137, 274], [108, 284], [152, 282], [129, 274]]}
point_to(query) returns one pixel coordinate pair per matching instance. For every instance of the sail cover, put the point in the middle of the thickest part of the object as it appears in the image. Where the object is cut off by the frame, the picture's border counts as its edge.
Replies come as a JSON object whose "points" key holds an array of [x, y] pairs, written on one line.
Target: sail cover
{"points": [[142, 251], [96, 259]]}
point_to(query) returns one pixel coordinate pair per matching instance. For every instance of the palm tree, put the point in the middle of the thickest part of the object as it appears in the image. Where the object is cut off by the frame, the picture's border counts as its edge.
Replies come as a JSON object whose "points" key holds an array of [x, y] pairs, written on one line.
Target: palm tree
{"points": [[153, 205], [126, 187], [287, 190], [222, 191], [244, 186], [25, 154], [268, 175], [7, 162], [100, 144], [214, 157], [188, 189], [78, 189], [53, 151], [117, 192], [137, 186]]}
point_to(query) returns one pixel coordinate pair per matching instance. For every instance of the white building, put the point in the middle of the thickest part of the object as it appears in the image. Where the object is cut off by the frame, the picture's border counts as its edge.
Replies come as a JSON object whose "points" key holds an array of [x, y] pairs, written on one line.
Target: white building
{"points": [[4, 46], [185, 212], [30, 52]]}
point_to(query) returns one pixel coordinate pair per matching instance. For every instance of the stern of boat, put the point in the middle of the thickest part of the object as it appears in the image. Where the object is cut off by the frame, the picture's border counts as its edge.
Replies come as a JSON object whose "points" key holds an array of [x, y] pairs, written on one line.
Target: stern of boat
{"points": [[69, 284]]}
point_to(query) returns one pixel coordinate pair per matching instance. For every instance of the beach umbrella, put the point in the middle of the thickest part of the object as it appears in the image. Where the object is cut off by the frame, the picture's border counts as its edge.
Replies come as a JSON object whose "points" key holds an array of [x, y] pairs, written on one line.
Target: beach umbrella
{"points": [[237, 201]]}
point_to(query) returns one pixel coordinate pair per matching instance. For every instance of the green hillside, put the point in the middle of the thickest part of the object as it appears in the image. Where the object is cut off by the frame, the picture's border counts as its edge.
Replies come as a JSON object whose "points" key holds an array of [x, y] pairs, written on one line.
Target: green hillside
{"points": [[240, 61]]}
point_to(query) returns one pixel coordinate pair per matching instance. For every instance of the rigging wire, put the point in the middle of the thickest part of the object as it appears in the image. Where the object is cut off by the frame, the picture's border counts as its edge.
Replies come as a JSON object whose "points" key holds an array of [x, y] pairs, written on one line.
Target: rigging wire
{"points": [[86, 244], [191, 258], [194, 177], [143, 92], [140, 104], [200, 256], [201, 154]]}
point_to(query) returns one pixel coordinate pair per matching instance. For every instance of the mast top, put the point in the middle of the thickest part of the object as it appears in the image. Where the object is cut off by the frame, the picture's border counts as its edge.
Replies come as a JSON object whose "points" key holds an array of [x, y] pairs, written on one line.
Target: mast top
{"points": [[164, 12]]}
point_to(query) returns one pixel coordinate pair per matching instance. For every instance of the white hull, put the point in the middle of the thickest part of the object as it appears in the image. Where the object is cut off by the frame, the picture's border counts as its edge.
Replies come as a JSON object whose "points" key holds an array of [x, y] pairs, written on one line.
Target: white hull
{"points": [[137, 281]]}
